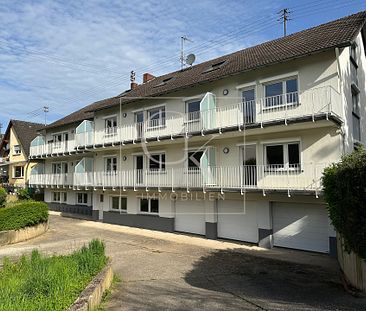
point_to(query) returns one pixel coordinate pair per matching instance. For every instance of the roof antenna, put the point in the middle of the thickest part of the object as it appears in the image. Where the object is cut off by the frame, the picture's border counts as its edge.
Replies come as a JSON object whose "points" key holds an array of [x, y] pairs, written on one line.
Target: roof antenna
{"points": [[284, 17], [183, 39], [45, 110]]}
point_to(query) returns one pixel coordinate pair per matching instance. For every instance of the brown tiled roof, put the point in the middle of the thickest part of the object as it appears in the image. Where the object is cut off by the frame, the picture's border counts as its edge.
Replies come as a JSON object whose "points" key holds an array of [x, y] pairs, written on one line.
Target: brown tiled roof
{"points": [[25, 131], [338, 33]]}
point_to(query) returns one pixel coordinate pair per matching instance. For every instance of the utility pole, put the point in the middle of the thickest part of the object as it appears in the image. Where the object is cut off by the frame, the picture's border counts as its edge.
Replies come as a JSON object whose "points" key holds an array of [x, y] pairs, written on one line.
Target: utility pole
{"points": [[284, 17], [183, 39], [45, 110]]}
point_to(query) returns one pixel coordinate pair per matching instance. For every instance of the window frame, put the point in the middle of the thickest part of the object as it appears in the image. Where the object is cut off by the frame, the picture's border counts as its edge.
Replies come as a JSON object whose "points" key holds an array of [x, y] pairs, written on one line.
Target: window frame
{"points": [[120, 210], [162, 165], [193, 113], [62, 197], [195, 168], [286, 162], [149, 212], [113, 165], [21, 172], [284, 94], [161, 119], [85, 195], [111, 130], [17, 151]]}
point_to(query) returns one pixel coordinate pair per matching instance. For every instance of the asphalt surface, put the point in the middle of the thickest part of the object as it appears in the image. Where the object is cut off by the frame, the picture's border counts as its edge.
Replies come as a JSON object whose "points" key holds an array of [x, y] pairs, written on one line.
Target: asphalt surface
{"points": [[163, 271]]}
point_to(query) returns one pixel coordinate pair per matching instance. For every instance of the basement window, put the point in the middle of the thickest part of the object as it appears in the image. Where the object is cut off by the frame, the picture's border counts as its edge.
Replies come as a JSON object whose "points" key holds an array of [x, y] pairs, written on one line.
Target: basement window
{"points": [[215, 66], [150, 206]]}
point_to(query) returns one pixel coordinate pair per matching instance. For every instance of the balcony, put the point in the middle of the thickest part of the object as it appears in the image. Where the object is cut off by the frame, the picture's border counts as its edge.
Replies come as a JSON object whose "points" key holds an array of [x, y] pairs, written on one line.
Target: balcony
{"points": [[52, 148], [311, 104], [304, 177]]}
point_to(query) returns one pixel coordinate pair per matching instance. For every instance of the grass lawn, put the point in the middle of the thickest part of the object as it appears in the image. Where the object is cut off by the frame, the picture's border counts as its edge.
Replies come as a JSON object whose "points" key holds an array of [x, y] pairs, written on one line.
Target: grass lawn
{"points": [[49, 283]]}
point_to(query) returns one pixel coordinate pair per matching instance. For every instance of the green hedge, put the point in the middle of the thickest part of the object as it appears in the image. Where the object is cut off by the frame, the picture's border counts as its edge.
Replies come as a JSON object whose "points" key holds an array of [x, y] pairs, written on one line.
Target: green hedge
{"points": [[345, 192], [23, 214], [3, 196]]}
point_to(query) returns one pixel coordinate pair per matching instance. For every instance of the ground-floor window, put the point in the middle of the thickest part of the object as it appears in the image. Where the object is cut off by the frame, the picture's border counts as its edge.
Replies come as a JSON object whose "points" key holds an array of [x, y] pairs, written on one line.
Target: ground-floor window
{"points": [[82, 198], [59, 197], [119, 203], [18, 172], [149, 206]]}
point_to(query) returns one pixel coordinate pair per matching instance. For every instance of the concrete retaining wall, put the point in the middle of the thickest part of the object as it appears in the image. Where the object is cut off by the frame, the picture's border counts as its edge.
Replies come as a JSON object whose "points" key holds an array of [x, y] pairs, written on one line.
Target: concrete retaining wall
{"points": [[92, 296], [353, 267], [15, 236]]}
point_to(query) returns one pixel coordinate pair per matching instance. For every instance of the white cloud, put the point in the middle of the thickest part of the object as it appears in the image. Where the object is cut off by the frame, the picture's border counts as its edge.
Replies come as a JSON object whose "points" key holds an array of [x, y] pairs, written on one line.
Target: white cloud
{"points": [[103, 41]]}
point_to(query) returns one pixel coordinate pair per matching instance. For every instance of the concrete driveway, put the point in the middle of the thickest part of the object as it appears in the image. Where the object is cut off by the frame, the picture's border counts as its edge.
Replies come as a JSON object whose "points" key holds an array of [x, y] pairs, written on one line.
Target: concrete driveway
{"points": [[164, 271]]}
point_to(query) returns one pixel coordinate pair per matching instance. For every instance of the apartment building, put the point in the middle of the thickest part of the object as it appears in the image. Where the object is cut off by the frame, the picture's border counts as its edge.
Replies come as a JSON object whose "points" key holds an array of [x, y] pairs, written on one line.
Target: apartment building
{"points": [[15, 165], [230, 148]]}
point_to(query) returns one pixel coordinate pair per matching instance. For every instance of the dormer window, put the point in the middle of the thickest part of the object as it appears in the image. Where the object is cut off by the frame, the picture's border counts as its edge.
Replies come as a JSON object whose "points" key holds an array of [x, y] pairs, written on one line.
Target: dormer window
{"points": [[215, 66], [165, 81]]}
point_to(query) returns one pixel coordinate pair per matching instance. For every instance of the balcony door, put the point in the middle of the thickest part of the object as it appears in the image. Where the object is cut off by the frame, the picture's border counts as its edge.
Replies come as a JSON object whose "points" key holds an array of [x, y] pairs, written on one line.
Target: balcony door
{"points": [[249, 165], [248, 97], [139, 121], [139, 168]]}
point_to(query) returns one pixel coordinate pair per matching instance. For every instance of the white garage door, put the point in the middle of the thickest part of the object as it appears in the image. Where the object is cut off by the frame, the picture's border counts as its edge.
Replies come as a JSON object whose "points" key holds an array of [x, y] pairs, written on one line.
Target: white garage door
{"points": [[235, 222], [190, 217], [300, 226]]}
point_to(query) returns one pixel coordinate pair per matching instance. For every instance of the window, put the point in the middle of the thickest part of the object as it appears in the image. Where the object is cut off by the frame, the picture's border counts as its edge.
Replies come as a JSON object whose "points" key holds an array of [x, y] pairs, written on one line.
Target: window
{"points": [[17, 149], [111, 165], [59, 197], [56, 197], [58, 139], [194, 158], [280, 93], [215, 66], [110, 125], [157, 162], [60, 168], [356, 121], [353, 52], [18, 172], [119, 204], [156, 116], [193, 110], [149, 206], [283, 155], [101, 198], [82, 198]]}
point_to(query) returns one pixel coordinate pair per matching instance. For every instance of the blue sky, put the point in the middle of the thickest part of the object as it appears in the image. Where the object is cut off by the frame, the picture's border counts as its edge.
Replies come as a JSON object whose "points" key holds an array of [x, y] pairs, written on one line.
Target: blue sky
{"points": [[67, 54]]}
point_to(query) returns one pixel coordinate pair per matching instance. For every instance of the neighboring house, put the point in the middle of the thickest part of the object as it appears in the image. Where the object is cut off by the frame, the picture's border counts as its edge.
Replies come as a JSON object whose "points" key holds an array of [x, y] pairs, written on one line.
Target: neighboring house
{"points": [[230, 148], [15, 165]]}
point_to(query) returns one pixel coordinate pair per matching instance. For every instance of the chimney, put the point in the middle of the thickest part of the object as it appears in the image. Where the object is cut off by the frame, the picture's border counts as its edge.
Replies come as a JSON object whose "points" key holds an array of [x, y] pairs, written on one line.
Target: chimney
{"points": [[147, 77], [132, 79]]}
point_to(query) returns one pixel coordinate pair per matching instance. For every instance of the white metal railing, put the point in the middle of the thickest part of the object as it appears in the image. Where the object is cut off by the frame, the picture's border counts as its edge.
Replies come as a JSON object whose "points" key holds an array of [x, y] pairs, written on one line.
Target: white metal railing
{"points": [[261, 177], [53, 147], [322, 100]]}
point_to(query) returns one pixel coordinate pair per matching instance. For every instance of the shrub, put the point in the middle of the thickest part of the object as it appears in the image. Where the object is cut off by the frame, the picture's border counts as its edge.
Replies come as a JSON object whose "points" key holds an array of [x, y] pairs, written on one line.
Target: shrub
{"points": [[24, 194], [49, 283], [345, 192], [23, 214], [3, 196]]}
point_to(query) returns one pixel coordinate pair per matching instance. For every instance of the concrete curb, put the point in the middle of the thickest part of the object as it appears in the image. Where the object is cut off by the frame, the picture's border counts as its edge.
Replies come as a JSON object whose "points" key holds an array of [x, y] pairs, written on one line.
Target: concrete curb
{"points": [[92, 295], [15, 236]]}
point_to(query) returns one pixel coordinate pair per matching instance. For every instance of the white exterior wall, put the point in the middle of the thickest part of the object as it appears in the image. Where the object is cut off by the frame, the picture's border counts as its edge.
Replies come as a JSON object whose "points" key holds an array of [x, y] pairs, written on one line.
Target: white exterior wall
{"points": [[346, 80]]}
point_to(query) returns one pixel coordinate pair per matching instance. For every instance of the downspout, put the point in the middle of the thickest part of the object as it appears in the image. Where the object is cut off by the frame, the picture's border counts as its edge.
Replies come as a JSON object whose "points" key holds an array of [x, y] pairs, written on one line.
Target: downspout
{"points": [[341, 130]]}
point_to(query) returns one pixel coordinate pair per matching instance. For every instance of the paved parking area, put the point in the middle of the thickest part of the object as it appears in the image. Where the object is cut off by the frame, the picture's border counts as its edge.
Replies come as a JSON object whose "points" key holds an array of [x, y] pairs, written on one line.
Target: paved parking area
{"points": [[164, 271]]}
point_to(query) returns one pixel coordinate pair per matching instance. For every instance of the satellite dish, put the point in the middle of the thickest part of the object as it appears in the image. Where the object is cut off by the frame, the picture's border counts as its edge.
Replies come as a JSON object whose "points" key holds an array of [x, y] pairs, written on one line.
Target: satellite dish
{"points": [[190, 59]]}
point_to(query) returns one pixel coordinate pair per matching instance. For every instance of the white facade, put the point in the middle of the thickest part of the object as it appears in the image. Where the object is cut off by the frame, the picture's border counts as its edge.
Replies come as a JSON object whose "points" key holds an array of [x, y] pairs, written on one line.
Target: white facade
{"points": [[245, 166]]}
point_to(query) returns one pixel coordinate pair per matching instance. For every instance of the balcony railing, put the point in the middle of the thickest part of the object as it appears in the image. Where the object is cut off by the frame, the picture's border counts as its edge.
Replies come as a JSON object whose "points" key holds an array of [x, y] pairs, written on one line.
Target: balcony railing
{"points": [[311, 103], [302, 177], [53, 148]]}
